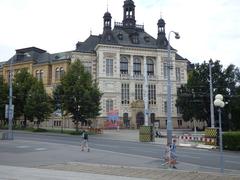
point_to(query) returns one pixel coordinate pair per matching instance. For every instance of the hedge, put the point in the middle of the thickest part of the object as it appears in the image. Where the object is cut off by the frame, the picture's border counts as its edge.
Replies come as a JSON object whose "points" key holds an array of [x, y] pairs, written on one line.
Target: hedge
{"points": [[231, 140]]}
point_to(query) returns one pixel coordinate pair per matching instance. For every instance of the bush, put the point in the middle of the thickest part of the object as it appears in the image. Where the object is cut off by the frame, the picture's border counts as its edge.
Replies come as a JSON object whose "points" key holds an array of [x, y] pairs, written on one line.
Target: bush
{"points": [[39, 130], [231, 140], [76, 133]]}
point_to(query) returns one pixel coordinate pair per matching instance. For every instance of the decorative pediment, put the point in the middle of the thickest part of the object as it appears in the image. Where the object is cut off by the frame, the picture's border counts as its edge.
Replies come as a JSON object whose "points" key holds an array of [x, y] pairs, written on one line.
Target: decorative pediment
{"points": [[137, 104]]}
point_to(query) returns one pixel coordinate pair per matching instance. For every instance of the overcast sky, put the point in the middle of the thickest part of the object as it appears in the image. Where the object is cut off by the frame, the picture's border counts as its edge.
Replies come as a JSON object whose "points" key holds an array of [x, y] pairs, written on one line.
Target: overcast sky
{"points": [[208, 28]]}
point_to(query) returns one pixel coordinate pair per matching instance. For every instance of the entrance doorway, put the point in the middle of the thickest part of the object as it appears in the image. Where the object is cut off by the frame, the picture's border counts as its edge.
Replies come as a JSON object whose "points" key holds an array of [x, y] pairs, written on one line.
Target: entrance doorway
{"points": [[139, 119]]}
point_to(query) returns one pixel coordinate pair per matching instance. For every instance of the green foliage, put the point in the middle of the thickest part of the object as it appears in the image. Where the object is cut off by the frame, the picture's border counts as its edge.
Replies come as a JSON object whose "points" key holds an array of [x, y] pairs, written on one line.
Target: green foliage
{"points": [[79, 94], [38, 103], [231, 140], [22, 84], [194, 97], [234, 106], [3, 98]]}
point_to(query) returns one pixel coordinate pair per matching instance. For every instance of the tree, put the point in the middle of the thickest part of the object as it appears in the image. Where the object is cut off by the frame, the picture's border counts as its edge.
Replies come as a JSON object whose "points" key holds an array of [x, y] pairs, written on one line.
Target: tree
{"points": [[3, 98], [21, 87], [38, 103], [194, 97], [234, 116], [81, 95]]}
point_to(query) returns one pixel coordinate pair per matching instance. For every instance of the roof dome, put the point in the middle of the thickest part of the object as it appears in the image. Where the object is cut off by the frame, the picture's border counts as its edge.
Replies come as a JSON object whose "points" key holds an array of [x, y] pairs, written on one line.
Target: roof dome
{"points": [[161, 23], [107, 14], [128, 2]]}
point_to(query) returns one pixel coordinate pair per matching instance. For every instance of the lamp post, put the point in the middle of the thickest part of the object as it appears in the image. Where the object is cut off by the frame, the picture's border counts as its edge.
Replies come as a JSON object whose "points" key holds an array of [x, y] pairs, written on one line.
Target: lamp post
{"points": [[10, 105], [218, 102], [169, 95]]}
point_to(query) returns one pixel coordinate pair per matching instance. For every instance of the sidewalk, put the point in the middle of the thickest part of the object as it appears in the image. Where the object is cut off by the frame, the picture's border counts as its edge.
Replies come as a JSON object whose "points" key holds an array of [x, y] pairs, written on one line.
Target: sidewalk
{"points": [[75, 171]]}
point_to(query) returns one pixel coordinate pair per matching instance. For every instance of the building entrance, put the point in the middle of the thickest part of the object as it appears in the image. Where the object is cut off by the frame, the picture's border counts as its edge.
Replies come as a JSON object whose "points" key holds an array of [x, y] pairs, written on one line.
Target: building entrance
{"points": [[139, 119]]}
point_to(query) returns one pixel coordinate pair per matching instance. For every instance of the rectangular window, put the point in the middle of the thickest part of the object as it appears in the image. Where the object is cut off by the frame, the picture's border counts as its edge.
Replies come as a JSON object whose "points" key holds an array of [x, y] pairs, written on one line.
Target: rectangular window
{"points": [[57, 123], [165, 106], [165, 69], [125, 93], [179, 123], [109, 105], [109, 67], [178, 110], [178, 75], [88, 68], [152, 93], [138, 92]]}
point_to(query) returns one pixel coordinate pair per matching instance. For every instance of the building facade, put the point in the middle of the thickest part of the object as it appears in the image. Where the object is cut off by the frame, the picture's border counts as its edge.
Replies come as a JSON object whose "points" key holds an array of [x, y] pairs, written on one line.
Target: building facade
{"points": [[119, 59]]}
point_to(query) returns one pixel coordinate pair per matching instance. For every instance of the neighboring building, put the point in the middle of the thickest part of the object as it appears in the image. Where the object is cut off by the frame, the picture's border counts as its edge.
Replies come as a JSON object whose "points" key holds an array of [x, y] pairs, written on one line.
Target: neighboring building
{"points": [[116, 59], [41, 64], [1, 68]]}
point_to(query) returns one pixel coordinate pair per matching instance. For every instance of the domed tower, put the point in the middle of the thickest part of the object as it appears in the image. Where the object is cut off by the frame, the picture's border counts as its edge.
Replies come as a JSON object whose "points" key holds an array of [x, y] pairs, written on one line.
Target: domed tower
{"points": [[129, 14], [107, 18], [107, 35], [161, 27], [161, 40]]}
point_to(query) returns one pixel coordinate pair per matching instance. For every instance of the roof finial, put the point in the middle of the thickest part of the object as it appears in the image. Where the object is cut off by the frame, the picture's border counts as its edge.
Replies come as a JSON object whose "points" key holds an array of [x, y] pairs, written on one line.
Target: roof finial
{"points": [[160, 14], [90, 31], [107, 5]]}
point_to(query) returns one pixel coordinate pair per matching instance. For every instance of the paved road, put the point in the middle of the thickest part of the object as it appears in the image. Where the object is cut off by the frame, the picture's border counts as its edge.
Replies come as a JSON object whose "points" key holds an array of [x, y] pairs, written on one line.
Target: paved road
{"points": [[189, 158], [40, 158]]}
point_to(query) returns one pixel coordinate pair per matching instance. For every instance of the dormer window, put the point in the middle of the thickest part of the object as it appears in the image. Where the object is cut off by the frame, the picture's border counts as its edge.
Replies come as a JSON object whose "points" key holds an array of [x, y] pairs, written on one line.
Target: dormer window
{"points": [[135, 39], [146, 39], [120, 36], [109, 37]]}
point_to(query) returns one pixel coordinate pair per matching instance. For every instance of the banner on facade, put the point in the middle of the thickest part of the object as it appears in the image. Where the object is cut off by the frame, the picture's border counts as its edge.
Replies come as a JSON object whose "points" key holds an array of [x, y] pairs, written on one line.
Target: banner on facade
{"points": [[113, 120]]}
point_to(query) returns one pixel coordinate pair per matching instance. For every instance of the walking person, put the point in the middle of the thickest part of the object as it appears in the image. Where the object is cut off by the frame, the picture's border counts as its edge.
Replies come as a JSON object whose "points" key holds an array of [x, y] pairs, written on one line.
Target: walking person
{"points": [[173, 154], [84, 143], [167, 156]]}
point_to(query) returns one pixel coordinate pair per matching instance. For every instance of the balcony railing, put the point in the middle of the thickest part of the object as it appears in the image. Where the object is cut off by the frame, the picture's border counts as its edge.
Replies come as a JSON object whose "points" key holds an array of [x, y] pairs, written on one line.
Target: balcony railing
{"points": [[137, 77]]}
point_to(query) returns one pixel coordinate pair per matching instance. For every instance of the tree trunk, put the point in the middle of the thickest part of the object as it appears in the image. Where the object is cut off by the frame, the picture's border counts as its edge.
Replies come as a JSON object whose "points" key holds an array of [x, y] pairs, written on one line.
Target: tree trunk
{"points": [[25, 122], [77, 124], [38, 123]]}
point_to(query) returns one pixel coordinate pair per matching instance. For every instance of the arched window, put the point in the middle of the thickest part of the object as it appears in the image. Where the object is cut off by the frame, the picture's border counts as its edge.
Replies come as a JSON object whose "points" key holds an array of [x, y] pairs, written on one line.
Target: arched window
{"points": [[37, 74], [61, 72], [57, 73], [41, 75], [136, 66], [124, 66], [150, 67], [152, 117], [125, 119]]}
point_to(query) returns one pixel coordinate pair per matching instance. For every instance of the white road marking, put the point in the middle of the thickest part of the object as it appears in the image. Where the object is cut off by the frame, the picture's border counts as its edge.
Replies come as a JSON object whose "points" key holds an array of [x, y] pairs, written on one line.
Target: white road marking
{"points": [[40, 149], [21, 147], [233, 162]]}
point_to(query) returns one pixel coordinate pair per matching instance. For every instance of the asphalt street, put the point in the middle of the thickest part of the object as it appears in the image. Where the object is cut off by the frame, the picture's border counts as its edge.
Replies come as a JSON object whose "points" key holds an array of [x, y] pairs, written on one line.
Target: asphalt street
{"points": [[34, 150]]}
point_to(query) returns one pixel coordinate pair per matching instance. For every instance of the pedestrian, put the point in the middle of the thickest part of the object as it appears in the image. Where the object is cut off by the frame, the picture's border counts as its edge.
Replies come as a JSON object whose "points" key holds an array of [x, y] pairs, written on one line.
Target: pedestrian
{"points": [[84, 143], [173, 154], [157, 133], [167, 156]]}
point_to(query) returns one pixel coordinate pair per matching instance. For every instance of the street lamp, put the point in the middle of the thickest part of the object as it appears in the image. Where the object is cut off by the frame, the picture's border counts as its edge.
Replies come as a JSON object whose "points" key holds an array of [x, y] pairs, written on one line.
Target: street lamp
{"points": [[218, 102], [169, 95], [10, 105]]}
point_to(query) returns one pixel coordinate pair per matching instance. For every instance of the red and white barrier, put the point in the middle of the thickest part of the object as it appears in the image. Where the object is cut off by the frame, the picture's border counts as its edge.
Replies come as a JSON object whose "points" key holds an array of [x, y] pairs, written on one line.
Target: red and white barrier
{"points": [[196, 138]]}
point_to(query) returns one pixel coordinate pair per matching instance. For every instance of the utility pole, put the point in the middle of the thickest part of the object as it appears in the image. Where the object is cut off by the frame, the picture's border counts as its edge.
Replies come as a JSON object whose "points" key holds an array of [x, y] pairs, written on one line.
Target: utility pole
{"points": [[211, 94], [145, 95]]}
